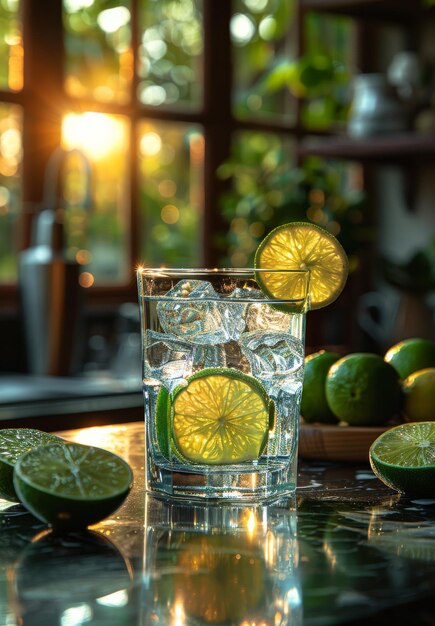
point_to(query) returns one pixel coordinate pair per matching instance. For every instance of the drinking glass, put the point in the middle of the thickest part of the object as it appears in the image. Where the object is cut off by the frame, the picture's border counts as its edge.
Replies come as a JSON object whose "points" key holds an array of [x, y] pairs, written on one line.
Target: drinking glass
{"points": [[223, 364]]}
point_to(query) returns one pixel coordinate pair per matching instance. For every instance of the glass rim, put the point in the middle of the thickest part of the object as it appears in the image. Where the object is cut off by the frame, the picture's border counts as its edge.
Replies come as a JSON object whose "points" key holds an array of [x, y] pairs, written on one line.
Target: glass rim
{"points": [[153, 274], [167, 271]]}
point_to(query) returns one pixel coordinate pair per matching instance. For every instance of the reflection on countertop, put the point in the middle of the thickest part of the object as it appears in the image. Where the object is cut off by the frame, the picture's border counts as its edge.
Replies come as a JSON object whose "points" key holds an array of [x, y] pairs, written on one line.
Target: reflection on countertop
{"points": [[345, 550]]}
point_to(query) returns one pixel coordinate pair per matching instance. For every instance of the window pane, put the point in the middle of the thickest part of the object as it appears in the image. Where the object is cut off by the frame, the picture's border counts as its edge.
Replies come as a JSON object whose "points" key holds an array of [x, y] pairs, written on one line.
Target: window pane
{"points": [[98, 54], [98, 235], [263, 49], [171, 159], [170, 53], [264, 193], [11, 46], [328, 65], [10, 188]]}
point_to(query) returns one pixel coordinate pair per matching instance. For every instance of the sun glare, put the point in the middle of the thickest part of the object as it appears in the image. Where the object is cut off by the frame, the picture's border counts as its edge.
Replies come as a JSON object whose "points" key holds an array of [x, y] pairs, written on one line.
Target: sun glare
{"points": [[96, 134]]}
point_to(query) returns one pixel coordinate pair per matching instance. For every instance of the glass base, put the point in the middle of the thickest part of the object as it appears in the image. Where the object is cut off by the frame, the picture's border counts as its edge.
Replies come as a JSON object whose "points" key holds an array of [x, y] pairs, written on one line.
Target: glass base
{"points": [[269, 482]]}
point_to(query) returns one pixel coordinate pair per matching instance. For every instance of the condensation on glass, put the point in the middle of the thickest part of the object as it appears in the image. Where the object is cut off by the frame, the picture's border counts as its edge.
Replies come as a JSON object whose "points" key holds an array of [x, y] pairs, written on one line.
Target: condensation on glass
{"points": [[171, 163], [97, 236], [170, 53], [98, 54]]}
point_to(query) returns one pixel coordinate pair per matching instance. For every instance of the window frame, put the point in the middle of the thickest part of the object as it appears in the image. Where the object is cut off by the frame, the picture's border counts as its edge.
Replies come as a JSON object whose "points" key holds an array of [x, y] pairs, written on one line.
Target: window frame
{"points": [[44, 101]]}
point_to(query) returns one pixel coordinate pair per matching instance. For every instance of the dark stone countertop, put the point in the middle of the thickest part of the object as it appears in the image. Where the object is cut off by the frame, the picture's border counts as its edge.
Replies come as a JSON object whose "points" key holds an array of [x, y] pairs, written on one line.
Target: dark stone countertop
{"points": [[345, 550]]}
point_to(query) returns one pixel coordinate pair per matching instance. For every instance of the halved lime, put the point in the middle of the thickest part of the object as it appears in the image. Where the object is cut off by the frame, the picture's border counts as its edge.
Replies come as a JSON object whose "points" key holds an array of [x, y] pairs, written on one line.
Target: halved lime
{"points": [[221, 417], [404, 458], [71, 486], [302, 246], [13, 443]]}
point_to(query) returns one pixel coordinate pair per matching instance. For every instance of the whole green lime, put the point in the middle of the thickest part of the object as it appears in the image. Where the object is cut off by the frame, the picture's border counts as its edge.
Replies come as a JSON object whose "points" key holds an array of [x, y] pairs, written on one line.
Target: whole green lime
{"points": [[411, 355], [363, 390], [314, 407], [419, 396]]}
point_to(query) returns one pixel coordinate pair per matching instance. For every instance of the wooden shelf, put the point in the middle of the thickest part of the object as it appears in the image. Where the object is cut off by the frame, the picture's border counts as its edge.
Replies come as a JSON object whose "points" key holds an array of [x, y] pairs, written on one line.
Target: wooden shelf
{"points": [[384, 10], [395, 148]]}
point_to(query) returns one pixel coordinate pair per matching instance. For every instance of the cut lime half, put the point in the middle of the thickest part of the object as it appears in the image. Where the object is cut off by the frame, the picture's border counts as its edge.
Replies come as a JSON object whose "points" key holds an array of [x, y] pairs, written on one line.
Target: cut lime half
{"points": [[13, 443], [71, 486], [221, 417], [404, 458]]}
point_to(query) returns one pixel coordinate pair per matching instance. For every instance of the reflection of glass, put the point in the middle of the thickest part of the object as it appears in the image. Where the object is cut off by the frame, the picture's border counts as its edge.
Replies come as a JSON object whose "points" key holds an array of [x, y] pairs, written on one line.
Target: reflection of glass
{"points": [[63, 580], [221, 565], [170, 53], [262, 38], [171, 162], [10, 187], [11, 46], [98, 56], [98, 239], [232, 432]]}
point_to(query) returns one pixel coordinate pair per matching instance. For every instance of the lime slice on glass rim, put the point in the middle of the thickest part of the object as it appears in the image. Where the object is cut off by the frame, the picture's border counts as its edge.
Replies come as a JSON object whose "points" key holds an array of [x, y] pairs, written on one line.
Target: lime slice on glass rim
{"points": [[222, 416], [71, 486], [13, 443], [302, 246], [404, 458]]}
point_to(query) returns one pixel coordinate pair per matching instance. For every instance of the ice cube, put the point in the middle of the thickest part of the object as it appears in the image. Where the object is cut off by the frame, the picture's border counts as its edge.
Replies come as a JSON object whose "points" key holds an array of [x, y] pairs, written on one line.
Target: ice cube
{"points": [[167, 359], [261, 316], [209, 322], [170, 360], [274, 357]]}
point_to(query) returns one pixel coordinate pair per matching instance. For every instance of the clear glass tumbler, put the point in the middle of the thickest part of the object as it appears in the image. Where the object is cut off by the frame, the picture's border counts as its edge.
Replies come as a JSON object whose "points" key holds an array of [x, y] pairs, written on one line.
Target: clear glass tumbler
{"points": [[223, 368]]}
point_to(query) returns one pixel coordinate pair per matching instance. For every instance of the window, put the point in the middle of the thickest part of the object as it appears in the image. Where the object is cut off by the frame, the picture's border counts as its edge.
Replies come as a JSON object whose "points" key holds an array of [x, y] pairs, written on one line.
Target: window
{"points": [[187, 113]]}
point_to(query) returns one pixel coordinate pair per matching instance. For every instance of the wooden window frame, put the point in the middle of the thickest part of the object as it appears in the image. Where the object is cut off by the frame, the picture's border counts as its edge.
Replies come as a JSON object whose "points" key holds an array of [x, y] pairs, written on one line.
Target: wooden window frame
{"points": [[45, 101]]}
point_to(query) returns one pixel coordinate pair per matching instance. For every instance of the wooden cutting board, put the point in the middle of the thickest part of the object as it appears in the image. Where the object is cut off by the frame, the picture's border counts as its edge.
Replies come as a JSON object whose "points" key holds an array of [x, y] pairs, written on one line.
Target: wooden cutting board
{"points": [[337, 443]]}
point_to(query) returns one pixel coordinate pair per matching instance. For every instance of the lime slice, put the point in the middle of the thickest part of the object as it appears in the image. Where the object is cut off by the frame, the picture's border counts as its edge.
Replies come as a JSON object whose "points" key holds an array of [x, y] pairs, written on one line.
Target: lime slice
{"points": [[404, 458], [302, 246], [13, 443], [221, 417], [72, 485]]}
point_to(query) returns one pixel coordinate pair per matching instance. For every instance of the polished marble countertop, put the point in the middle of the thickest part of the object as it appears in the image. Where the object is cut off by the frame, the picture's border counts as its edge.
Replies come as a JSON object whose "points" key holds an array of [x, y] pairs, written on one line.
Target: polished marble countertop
{"points": [[344, 550]]}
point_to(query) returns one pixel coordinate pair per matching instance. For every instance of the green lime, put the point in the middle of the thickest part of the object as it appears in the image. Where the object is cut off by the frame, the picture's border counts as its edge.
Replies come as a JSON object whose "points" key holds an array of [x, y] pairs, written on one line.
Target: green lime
{"points": [[363, 390], [13, 443], [314, 407], [404, 458], [221, 417], [302, 246], [71, 486], [411, 355], [419, 395]]}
